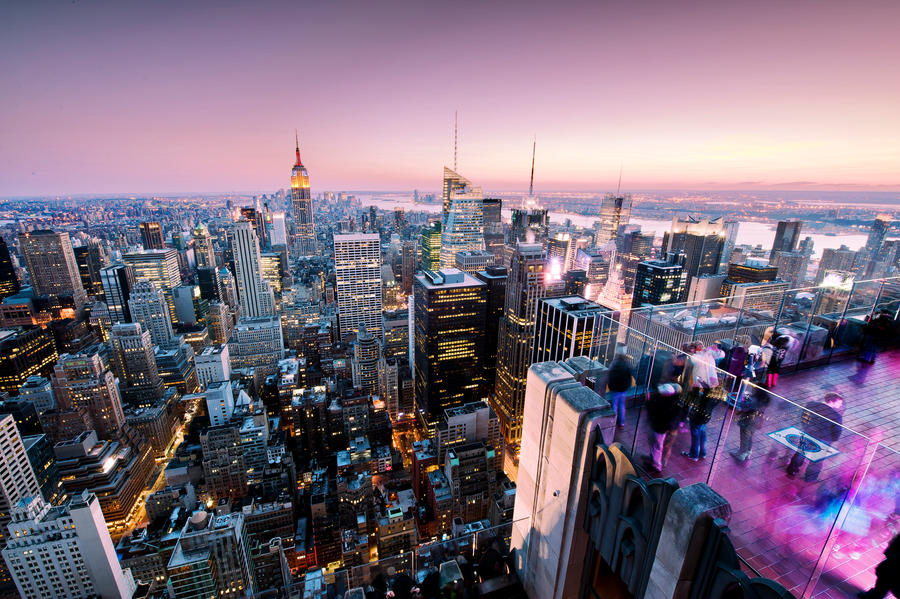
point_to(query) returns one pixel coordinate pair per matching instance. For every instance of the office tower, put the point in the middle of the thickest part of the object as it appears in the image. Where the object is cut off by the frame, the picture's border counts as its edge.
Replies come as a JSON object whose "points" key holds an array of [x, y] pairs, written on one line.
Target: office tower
{"points": [[9, 281], [877, 233], [731, 232], [471, 261], [43, 463], [787, 236], [24, 412], [752, 271], [213, 364], [561, 252], [273, 270], [462, 221], [229, 289], [596, 263], [495, 278], [118, 281], [189, 306], [561, 416], [792, 267], [24, 352], [528, 226], [524, 287], [470, 470], [148, 306], [632, 248], [659, 282], [304, 225], [62, 552], [219, 396], [278, 235], [151, 236], [219, 322], [225, 465], [83, 381], [134, 364], [256, 343], [211, 558], [159, 266], [701, 241], [397, 326], [51, 265], [408, 265], [765, 295], [450, 321], [38, 391], [704, 287], [116, 471], [469, 423], [365, 362], [255, 216], [254, 292], [566, 327], [17, 480], [491, 211], [91, 258], [615, 212], [357, 269], [430, 246], [395, 387], [204, 250]]}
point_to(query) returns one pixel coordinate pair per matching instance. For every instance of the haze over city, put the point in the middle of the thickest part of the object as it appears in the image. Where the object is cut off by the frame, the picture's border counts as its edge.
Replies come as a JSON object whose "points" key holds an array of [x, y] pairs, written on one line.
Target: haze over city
{"points": [[164, 97]]}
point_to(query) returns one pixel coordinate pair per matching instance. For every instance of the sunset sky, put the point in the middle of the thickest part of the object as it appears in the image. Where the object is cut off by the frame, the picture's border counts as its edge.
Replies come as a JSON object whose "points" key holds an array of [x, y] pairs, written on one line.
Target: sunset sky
{"points": [[157, 96]]}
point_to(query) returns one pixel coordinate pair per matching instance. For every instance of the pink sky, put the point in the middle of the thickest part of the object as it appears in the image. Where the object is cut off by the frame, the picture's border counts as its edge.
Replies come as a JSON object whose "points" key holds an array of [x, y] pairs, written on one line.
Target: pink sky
{"points": [[162, 96]]}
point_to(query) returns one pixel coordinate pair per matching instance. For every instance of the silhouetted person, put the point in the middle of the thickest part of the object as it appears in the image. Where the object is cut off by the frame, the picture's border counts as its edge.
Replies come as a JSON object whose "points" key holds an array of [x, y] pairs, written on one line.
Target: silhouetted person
{"points": [[822, 421], [887, 573]]}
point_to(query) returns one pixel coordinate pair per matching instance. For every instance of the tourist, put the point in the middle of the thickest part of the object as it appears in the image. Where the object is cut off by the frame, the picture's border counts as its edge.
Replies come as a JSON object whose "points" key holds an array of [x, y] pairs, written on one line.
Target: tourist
{"points": [[821, 420], [618, 382]]}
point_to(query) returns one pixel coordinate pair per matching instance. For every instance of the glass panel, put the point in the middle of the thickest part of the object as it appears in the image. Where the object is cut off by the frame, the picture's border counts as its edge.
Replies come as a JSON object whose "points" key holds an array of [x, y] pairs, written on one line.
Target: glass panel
{"points": [[786, 470], [869, 520]]}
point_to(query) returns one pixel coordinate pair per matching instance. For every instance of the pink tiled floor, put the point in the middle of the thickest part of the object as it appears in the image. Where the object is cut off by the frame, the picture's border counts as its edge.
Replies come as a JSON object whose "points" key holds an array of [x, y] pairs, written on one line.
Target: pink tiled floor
{"points": [[781, 524]]}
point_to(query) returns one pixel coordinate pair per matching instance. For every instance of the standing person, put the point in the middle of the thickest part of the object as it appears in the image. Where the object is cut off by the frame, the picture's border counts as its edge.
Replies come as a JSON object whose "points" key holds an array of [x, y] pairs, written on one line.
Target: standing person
{"points": [[749, 413], [875, 333], [822, 421], [887, 573], [779, 351], [619, 381], [738, 360], [699, 377], [663, 418]]}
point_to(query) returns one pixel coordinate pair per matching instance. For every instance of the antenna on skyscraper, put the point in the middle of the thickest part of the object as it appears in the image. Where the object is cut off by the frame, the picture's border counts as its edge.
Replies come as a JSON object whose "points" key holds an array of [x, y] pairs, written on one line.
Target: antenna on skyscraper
{"points": [[297, 139], [455, 136], [619, 186], [531, 182]]}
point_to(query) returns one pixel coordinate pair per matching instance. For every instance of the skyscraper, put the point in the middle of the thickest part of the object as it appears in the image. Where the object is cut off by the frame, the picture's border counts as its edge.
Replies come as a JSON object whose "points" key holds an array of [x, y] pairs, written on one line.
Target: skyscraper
{"points": [[91, 258], [632, 248], [615, 212], [430, 246], [304, 225], [254, 292], [408, 265], [787, 236], [525, 286], [83, 380], [148, 306], [450, 318], [566, 327], [51, 264], [702, 242], [151, 236], [204, 252], [528, 226], [17, 480], [842, 259], [792, 267], [60, 552], [365, 361], [117, 281], [9, 281], [357, 268], [159, 266], [495, 278], [659, 282], [462, 222], [134, 363], [278, 235]]}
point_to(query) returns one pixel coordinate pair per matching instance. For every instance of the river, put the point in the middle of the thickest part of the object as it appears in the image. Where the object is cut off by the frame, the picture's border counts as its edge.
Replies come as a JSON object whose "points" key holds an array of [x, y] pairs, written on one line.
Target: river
{"points": [[749, 232]]}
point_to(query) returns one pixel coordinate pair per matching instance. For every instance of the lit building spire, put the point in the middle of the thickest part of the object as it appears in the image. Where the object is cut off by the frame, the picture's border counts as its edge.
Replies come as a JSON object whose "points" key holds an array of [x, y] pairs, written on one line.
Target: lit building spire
{"points": [[297, 138]]}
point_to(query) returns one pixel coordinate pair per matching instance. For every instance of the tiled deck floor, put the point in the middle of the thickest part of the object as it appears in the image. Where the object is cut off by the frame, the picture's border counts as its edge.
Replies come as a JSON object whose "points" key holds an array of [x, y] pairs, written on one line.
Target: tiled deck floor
{"points": [[781, 524]]}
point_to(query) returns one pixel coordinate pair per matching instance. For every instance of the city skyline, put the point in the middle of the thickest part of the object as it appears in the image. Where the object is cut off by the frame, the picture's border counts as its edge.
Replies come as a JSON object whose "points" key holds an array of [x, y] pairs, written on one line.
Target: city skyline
{"points": [[720, 98]]}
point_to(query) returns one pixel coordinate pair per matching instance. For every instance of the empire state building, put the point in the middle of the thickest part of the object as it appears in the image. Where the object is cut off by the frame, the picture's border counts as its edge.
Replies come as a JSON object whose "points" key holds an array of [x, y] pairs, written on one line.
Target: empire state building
{"points": [[304, 225]]}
